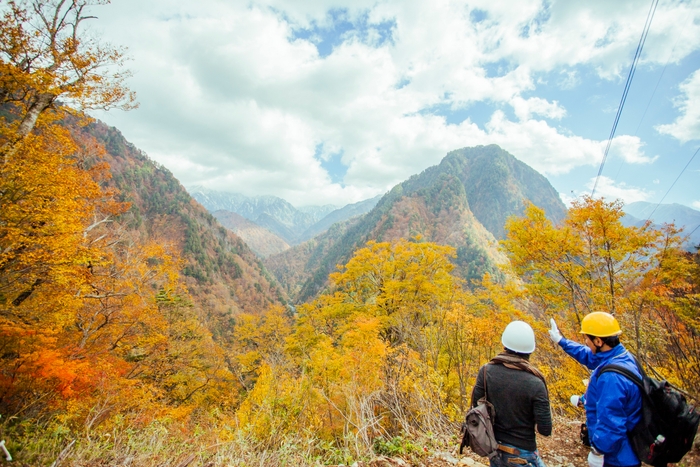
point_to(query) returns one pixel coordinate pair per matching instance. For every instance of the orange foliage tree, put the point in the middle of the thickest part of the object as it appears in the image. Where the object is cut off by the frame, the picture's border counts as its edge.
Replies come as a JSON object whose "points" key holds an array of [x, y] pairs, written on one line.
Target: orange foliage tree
{"points": [[93, 319]]}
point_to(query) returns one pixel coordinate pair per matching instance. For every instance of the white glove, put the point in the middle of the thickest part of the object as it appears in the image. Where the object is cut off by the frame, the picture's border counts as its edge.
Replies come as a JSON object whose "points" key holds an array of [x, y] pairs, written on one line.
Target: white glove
{"points": [[595, 460], [554, 333], [575, 400]]}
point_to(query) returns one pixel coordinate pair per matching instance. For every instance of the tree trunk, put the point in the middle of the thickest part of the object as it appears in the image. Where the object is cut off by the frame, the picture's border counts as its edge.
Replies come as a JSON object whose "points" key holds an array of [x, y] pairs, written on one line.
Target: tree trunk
{"points": [[39, 105]]}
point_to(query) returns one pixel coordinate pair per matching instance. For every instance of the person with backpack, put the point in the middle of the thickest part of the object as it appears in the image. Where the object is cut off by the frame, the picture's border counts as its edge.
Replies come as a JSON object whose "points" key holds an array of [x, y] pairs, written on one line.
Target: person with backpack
{"points": [[518, 392], [613, 402]]}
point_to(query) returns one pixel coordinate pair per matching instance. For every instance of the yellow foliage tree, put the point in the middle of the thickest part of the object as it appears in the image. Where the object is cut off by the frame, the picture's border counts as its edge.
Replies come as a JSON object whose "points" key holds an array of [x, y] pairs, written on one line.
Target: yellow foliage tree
{"points": [[592, 262], [390, 348], [259, 339]]}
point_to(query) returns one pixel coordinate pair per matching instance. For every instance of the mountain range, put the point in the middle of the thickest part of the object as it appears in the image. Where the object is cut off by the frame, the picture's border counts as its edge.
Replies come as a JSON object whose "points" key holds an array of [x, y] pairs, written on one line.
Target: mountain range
{"points": [[463, 202], [273, 224], [261, 240], [271, 212], [681, 216]]}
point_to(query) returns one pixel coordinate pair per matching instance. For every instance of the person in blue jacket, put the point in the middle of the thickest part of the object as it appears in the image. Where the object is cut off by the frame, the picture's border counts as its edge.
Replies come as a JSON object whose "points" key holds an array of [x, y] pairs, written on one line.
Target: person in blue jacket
{"points": [[613, 403]]}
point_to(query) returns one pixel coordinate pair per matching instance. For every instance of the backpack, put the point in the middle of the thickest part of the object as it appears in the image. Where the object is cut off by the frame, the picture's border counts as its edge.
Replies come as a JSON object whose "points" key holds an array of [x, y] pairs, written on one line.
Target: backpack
{"points": [[478, 428], [668, 423]]}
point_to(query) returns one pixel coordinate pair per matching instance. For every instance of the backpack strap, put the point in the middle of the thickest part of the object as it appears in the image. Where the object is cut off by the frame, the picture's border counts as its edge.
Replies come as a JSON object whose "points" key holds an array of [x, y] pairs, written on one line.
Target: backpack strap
{"points": [[624, 372], [485, 393]]}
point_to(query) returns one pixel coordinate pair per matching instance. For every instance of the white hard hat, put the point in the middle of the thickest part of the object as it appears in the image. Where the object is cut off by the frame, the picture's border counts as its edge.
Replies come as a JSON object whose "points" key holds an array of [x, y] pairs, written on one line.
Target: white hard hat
{"points": [[519, 337]]}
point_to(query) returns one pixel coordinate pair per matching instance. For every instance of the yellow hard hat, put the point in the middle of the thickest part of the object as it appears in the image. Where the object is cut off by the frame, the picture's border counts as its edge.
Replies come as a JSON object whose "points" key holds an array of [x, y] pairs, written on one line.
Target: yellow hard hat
{"points": [[600, 324]]}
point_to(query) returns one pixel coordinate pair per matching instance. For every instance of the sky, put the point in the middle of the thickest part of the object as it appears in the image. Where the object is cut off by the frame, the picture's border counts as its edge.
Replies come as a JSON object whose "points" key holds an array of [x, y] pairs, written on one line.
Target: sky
{"points": [[332, 102]]}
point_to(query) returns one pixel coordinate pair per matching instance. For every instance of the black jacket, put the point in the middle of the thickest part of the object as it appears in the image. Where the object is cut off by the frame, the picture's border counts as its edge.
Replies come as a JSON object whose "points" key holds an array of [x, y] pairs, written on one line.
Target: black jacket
{"points": [[521, 402]]}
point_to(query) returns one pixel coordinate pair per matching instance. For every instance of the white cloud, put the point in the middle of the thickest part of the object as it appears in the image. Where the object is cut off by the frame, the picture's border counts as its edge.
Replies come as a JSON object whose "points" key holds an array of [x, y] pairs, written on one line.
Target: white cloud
{"points": [[526, 108], [687, 126], [609, 189], [232, 99], [567, 199], [569, 79], [629, 149], [542, 146], [602, 34], [696, 204]]}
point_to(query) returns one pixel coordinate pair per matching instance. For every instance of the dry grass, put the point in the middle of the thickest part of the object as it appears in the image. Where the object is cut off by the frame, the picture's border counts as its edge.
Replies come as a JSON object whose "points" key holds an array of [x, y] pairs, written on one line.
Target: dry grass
{"points": [[160, 445]]}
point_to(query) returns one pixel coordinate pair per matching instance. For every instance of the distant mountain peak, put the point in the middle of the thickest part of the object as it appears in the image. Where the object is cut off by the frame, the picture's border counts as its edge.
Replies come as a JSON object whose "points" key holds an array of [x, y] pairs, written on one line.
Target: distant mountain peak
{"points": [[673, 213], [496, 183], [278, 216]]}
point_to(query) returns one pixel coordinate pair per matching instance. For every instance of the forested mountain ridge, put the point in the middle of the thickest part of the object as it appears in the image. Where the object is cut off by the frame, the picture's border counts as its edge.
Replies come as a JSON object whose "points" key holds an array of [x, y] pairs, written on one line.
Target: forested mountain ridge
{"points": [[498, 185], [309, 261], [222, 274], [464, 202]]}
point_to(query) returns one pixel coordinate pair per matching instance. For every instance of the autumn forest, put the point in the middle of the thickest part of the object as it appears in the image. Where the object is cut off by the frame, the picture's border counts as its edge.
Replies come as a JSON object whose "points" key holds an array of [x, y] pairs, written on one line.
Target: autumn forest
{"points": [[135, 330]]}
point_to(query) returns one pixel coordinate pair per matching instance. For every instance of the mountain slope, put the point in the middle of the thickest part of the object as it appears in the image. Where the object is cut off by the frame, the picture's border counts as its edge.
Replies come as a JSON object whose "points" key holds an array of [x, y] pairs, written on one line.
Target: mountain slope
{"points": [[681, 216], [223, 276], [340, 215], [497, 185], [298, 265], [464, 202], [260, 240]]}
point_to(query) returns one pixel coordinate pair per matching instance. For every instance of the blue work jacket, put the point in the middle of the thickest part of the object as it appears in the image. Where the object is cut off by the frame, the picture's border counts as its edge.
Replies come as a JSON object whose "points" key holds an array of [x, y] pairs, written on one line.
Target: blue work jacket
{"points": [[613, 402]]}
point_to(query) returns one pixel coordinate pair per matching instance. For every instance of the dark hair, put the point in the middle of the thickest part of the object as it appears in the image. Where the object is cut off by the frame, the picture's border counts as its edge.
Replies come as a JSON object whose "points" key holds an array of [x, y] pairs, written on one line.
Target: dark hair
{"points": [[610, 341], [526, 356]]}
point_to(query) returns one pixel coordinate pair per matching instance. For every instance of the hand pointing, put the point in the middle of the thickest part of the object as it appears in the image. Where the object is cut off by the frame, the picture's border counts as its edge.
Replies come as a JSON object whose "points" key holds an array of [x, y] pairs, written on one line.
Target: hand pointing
{"points": [[554, 333]]}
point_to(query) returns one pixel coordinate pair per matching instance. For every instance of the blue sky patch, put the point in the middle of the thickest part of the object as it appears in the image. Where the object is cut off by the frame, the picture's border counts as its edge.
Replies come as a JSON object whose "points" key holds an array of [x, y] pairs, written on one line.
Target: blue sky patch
{"points": [[477, 16], [402, 83], [343, 27], [543, 16], [500, 68], [591, 107], [333, 165]]}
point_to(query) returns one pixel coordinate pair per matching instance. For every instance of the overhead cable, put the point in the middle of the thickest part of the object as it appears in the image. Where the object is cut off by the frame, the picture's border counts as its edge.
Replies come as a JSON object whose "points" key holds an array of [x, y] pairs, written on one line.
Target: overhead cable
{"points": [[636, 132], [669, 189], [633, 68], [696, 228]]}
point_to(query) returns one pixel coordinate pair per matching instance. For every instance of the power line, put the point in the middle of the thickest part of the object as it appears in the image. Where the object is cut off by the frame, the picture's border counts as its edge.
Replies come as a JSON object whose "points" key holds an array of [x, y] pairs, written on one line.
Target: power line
{"points": [[633, 68], [673, 184], [636, 132], [696, 228]]}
